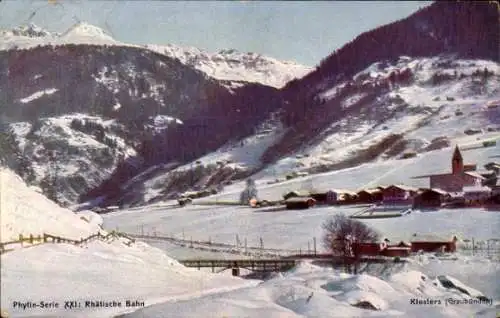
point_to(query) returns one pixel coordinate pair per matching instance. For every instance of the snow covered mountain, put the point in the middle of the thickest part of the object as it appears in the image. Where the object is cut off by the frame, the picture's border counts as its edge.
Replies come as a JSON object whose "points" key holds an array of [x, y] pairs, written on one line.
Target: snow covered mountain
{"points": [[31, 35], [430, 100], [231, 65], [227, 65], [106, 100]]}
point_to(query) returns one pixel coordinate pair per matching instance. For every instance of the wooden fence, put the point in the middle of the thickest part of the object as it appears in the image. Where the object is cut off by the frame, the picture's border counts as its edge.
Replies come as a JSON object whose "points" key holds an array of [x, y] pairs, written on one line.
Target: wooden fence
{"points": [[48, 238]]}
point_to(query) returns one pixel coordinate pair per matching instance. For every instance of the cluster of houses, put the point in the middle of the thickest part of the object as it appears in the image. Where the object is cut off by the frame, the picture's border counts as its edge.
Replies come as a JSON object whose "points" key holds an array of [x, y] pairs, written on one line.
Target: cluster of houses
{"points": [[463, 186], [417, 244]]}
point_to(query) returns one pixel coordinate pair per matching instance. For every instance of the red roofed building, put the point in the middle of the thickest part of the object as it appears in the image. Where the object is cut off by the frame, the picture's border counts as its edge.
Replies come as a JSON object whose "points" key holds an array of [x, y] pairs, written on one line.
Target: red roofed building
{"points": [[461, 175]]}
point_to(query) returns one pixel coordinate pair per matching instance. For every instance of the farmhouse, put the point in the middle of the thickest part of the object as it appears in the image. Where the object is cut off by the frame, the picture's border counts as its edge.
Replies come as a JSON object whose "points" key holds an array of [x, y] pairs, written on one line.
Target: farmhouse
{"points": [[296, 194], [401, 249], [476, 194], [399, 194], [370, 195], [431, 243], [430, 198], [345, 196], [184, 201], [461, 175], [382, 249], [495, 190], [299, 203]]}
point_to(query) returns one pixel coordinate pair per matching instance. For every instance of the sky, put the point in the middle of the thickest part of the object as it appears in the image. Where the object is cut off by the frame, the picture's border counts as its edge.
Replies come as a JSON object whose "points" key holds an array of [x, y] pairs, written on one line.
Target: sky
{"points": [[304, 32]]}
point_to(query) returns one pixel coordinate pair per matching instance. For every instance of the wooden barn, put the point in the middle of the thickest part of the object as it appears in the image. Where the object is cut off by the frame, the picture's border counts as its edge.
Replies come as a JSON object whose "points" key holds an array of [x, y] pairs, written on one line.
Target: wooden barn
{"points": [[370, 195], [328, 197], [299, 203], [398, 194], [367, 249], [433, 244], [430, 198]]}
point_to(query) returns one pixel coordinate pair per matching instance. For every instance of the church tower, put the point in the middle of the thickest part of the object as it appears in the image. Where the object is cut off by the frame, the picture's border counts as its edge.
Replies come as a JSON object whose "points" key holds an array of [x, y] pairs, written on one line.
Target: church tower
{"points": [[457, 162]]}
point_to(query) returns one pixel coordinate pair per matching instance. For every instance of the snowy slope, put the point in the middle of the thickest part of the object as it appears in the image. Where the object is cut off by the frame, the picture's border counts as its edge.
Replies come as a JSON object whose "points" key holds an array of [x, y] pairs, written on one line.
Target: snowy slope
{"points": [[98, 271], [313, 291], [101, 271], [420, 111], [228, 65], [26, 211], [232, 65]]}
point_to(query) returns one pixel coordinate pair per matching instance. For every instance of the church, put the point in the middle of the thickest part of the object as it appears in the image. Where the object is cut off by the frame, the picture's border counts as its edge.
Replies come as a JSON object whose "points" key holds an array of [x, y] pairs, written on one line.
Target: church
{"points": [[462, 175]]}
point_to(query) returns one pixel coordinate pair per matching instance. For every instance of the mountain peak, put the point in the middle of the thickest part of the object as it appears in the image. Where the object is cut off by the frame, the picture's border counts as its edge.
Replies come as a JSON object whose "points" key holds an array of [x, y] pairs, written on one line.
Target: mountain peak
{"points": [[86, 30], [233, 65], [30, 30]]}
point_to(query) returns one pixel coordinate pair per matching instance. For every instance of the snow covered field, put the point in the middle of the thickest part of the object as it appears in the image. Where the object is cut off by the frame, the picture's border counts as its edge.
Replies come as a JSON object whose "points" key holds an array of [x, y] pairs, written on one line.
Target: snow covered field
{"points": [[98, 271], [294, 229]]}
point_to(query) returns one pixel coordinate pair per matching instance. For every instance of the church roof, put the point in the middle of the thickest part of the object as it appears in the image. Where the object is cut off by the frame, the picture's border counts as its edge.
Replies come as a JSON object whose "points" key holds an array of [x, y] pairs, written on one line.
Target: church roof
{"points": [[456, 154], [475, 175]]}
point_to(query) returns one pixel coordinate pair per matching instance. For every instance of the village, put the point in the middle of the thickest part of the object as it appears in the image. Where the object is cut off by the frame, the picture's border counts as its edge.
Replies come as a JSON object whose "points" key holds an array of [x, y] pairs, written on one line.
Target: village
{"points": [[465, 186]]}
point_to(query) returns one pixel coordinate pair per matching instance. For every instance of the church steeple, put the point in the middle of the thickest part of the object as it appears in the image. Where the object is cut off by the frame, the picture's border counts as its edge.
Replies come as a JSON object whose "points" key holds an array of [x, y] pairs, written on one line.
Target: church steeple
{"points": [[457, 162]]}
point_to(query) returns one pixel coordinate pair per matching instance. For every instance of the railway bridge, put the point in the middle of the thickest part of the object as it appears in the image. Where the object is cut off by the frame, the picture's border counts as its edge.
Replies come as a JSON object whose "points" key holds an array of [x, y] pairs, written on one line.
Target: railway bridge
{"points": [[255, 265]]}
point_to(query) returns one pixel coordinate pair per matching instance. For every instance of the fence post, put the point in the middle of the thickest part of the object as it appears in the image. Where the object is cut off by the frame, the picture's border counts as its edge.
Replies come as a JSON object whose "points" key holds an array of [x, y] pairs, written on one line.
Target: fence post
{"points": [[191, 246], [21, 239], [473, 247], [314, 240]]}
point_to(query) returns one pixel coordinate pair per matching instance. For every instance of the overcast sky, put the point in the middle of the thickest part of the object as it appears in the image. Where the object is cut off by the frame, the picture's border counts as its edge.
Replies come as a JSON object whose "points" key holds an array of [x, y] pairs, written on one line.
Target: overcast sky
{"points": [[301, 31]]}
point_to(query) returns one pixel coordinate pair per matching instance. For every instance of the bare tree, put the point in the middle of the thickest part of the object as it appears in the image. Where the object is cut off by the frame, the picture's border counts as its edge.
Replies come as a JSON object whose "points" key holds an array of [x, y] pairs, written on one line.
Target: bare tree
{"points": [[249, 193], [342, 236]]}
